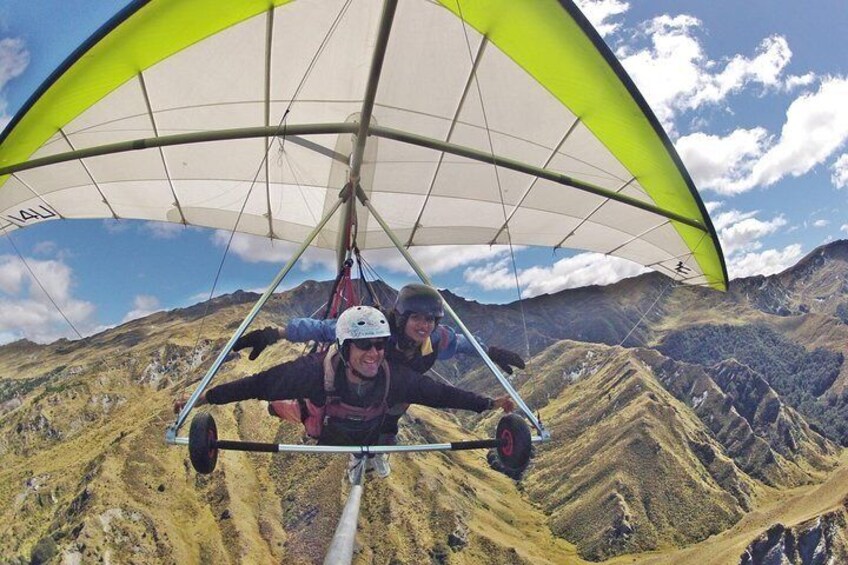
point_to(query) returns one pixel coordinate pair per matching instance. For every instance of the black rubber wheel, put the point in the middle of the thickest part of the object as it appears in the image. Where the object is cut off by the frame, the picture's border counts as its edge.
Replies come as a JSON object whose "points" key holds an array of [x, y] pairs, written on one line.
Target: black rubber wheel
{"points": [[202, 439], [515, 447]]}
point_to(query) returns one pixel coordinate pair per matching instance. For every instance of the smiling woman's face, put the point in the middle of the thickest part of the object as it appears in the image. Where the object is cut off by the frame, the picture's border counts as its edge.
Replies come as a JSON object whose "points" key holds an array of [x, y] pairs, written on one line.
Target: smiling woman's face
{"points": [[419, 327]]}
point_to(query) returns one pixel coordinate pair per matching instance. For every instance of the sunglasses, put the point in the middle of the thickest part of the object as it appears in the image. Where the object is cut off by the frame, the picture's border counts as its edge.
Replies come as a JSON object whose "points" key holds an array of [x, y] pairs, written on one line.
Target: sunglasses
{"points": [[366, 344]]}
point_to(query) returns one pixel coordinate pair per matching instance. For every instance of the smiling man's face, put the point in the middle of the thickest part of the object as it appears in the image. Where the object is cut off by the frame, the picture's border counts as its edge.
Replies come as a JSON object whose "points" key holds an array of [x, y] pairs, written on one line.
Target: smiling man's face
{"points": [[366, 362]]}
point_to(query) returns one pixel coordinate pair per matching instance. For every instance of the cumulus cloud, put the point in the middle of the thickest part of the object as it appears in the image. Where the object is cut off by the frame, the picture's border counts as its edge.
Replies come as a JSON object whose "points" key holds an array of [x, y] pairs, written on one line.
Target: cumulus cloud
{"points": [[722, 163], [676, 75], [839, 178], [767, 262], [163, 230], [438, 259], [844, 227], [821, 223], [794, 81], [433, 259], [599, 13], [572, 272], [143, 305], [743, 232], [255, 249], [26, 312], [116, 226], [713, 205], [45, 248], [14, 59], [816, 127]]}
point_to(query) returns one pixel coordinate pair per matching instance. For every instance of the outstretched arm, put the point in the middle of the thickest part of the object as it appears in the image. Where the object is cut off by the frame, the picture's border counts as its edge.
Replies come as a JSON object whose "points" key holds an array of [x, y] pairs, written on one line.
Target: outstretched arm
{"points": [[449, 343], [310, 329], [297, 330], [301, 378], [423, 390]]}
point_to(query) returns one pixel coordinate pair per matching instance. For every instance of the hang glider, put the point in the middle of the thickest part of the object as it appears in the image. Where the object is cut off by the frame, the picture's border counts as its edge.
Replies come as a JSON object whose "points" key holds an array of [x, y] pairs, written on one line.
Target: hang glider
{"points": [[488, 122], [462, 121]]}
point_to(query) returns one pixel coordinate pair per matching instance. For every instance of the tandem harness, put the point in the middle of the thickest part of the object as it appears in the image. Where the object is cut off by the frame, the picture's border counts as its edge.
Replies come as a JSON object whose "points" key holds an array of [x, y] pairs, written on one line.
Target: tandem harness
{"points": [[315, 417]]}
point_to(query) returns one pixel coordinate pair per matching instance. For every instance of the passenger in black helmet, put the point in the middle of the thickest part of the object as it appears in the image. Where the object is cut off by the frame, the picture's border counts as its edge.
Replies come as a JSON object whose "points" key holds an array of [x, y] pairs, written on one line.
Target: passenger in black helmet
{"points": [[353, 384], [418, 340], [409, 342]]}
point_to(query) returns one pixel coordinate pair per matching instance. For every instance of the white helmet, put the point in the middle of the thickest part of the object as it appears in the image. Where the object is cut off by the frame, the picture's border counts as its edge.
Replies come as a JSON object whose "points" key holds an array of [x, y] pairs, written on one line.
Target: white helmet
{"points": [[361, 322]]}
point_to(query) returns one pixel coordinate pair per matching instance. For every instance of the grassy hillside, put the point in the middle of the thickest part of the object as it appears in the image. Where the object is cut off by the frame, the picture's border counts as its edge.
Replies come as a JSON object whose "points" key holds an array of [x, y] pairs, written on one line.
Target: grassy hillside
{"points": [[652, 458]]}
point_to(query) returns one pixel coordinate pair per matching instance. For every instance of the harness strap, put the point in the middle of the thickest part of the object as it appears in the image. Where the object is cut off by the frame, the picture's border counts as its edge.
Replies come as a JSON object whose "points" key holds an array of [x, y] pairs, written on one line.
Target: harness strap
{"points": [[332, 397]]}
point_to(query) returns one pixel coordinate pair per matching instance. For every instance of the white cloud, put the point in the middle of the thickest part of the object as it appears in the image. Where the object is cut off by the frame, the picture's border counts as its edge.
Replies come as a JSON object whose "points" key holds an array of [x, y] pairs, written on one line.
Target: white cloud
{"points": [[438, 259], [14, 59], [720, 163], [45, 248], [116, 226], [143, 305], [816, 127], [599, 12], [744, 232], [675, 74], [731, 217], [766, 262], [794, 81], [25, 311], [163, 230], [713, 205], [580, 270], [844, 227], [839, 178], [821, 223], [434, 259], [255, 249], [742, 235], [11, 275]]}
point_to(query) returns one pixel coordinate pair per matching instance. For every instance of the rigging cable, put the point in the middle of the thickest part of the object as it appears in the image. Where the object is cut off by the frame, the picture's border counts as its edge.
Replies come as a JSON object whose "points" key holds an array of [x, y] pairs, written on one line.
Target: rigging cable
{"points": [[38, 282], [280, 128], [672, 283], [498, 180]]}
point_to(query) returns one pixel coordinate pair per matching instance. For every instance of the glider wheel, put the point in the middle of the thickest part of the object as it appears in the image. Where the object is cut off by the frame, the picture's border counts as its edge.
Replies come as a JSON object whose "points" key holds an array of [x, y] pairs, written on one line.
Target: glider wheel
{"points": [[514, 435], [202, 443]]}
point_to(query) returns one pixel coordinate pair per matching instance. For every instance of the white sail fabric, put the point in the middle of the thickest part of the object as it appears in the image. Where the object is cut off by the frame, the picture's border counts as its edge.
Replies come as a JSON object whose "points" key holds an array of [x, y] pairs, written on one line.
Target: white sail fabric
{"points": [[309, 62]]}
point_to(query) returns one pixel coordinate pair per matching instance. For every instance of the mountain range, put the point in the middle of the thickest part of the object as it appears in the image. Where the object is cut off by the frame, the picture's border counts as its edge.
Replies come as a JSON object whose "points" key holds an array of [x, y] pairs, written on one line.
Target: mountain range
{"points": [[687, 426]]}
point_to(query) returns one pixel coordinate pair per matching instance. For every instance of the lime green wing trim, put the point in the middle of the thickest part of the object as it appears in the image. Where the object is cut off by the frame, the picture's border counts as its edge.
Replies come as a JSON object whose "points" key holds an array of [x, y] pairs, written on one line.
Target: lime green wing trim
{"points": [[553, 42], [148, 35]]}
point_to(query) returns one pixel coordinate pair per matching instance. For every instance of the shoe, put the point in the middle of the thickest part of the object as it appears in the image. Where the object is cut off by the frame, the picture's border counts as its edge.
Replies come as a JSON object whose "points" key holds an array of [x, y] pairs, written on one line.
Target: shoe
{"points": [[355, 466], [380, 464]]}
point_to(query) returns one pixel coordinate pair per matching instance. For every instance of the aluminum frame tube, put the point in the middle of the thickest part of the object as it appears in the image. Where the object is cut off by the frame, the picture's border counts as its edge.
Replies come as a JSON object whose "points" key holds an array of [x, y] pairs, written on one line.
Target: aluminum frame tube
{"points": [[365, 113], [171, 433], [494, 369], [341, 547], [377, 59], [352, 128], [363, 449]]}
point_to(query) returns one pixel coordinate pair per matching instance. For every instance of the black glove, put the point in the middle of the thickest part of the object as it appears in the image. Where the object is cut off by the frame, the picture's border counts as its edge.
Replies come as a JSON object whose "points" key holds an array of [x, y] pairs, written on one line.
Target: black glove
{"points": [[258, 340], [505, 359]]}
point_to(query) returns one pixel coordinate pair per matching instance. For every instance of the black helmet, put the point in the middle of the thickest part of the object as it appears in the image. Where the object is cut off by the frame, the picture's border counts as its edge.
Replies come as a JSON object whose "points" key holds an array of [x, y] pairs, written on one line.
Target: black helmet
{"points": [[419, 299]]}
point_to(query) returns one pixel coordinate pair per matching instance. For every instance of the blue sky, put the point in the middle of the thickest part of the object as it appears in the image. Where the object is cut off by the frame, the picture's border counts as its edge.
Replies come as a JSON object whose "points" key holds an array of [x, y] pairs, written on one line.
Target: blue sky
{"points": [[753, 94]]}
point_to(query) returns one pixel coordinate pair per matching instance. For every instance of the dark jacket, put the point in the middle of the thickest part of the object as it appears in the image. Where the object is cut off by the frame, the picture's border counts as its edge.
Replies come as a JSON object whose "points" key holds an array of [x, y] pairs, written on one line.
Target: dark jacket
{"points": [[304, 378]]}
